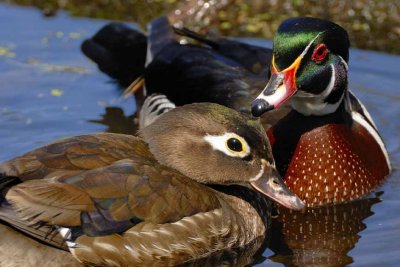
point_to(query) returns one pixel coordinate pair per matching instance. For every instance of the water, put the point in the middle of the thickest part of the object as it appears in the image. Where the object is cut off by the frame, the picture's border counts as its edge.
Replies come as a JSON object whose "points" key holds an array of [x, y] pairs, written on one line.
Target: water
{"points": [[49, 90]]}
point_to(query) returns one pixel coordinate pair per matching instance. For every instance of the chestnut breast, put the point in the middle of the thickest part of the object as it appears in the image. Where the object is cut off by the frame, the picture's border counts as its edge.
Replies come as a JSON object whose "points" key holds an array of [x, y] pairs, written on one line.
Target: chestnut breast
{"points": [[333, 164]]}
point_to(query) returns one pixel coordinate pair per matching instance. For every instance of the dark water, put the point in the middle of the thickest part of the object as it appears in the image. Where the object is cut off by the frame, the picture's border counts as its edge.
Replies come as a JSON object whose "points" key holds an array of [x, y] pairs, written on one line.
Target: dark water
{"points": [[49, 90]]}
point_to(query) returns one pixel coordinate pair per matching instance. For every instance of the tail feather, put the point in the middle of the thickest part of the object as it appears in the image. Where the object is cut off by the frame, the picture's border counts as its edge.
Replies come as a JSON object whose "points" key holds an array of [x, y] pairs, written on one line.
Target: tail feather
{"points": [[196, 36], [253, 58], [45, 234]]}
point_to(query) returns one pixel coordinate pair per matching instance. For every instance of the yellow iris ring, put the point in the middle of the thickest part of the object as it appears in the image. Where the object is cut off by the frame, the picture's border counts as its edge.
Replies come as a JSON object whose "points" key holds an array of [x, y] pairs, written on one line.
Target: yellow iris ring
{"points": [[245, 147], [220, 142]]}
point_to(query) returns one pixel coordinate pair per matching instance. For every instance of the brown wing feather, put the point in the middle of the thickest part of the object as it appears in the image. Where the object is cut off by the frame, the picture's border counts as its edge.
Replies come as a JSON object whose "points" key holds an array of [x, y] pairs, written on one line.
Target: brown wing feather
{"points": [[81, 178], [125, 190], [50, 201], [77, 153]]}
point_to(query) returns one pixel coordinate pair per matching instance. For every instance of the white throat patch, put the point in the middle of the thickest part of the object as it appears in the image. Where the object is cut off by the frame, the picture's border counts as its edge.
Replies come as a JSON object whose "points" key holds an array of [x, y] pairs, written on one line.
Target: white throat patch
{"points": [[311, 104]]}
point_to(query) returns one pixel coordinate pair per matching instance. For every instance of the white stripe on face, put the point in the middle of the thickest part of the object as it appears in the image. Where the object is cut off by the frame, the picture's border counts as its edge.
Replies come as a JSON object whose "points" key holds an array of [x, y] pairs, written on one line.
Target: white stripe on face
{"points": [[219, 142], [311, 104], [309, 45]]}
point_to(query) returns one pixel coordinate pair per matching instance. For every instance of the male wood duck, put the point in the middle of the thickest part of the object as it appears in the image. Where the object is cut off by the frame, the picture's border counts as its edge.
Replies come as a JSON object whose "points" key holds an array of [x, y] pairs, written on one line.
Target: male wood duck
{"points": [[180, 192], [327, 148], [325, 143]]}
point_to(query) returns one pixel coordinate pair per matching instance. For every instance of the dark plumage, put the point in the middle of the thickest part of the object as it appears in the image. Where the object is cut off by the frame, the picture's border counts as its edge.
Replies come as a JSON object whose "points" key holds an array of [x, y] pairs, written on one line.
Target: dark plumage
{"points": [[122, 56]]}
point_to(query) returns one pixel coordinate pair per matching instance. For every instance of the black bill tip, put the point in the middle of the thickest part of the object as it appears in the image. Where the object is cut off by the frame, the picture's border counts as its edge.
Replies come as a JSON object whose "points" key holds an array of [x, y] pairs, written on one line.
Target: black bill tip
{"points": [[259, 107]]}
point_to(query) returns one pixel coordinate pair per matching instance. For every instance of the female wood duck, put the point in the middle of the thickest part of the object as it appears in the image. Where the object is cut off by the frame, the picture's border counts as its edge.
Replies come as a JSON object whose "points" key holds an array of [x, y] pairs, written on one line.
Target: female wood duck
{"points": [[180, 192], [326, 145]]}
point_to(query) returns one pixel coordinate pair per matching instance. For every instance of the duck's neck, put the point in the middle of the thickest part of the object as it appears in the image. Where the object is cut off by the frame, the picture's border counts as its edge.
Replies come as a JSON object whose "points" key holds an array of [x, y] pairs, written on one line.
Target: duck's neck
{"points": [[316, 106], [250, 209], [311, 103]]}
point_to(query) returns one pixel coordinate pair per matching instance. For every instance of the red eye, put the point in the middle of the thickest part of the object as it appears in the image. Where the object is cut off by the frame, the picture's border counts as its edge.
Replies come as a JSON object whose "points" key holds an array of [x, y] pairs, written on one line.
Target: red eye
{"points": [[319, 53]]}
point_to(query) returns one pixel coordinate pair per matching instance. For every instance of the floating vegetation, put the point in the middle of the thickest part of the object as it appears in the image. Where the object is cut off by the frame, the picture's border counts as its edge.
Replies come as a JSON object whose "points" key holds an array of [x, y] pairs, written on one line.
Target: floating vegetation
{"points": [[372, 24], [56, 92], [6, 52], [52, 67]]}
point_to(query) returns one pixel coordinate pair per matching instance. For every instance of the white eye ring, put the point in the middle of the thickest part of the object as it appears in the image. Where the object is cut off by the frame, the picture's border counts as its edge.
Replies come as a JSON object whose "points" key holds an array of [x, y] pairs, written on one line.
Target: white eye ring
{"points": [[219, 142]]}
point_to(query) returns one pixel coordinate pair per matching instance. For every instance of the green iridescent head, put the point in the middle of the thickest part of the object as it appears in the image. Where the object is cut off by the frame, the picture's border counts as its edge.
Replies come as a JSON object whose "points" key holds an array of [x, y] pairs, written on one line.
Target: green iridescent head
{"points": [[309, 67], [293, 36]]}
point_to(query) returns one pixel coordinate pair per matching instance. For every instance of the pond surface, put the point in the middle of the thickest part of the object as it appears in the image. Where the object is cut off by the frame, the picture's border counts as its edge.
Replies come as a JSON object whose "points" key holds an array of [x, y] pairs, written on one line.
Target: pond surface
{"points": [[49, 90]]}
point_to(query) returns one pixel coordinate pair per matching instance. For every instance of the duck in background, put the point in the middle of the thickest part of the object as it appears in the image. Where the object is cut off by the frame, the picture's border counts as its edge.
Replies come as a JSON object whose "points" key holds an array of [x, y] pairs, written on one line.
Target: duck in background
{"points": [[180, 192], [221, 70], [325, 143]]}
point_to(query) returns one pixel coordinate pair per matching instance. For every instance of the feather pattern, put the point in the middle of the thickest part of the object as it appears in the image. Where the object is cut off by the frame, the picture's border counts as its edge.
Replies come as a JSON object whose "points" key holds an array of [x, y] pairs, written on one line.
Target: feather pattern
{"points": [[153, 107], [203, 220], [75, 154], [115, 203]]}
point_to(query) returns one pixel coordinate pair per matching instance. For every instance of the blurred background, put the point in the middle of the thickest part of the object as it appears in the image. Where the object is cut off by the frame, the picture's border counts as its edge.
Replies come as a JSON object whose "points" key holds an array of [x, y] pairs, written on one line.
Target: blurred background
{"points": [[372, 24]]}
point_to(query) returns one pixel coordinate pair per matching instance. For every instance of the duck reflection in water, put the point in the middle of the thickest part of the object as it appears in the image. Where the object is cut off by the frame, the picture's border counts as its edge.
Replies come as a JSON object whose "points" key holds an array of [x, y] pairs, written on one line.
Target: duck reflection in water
{"points": [[117, 121], [319, 236]]}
